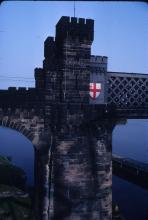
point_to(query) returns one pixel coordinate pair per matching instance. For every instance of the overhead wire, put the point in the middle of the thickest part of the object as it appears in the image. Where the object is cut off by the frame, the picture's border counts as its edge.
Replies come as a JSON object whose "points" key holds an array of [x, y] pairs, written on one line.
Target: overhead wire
{"points": [[13, 80], [16, 78]]}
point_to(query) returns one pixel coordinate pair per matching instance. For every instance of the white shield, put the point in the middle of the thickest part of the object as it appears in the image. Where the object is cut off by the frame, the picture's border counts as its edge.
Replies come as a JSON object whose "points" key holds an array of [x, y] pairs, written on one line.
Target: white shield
{"points": [[94, 90]]}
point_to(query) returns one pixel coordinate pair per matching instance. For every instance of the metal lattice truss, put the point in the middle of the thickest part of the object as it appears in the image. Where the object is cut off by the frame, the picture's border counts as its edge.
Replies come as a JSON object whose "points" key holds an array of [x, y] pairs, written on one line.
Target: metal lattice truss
{"points": [[127, 91]]}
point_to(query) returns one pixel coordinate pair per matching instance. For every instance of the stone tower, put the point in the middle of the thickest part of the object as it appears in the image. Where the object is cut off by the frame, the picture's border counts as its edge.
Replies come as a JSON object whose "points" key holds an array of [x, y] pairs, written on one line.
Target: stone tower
{"points": [[79, 178]]}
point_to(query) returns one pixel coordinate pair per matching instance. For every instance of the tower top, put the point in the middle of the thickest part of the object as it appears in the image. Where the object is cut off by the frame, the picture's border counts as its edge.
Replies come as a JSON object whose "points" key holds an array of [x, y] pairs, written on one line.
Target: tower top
{"points": [[73, 27]]}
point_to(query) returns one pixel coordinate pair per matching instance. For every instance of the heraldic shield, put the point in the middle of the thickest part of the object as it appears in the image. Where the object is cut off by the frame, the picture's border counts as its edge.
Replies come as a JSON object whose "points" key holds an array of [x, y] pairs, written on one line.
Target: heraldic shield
{"points": [[94, 90]]}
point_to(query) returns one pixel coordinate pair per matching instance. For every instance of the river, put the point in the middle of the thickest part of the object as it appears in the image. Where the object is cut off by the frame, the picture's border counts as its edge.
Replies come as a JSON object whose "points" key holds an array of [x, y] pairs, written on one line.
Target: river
{"points": [[129, 140], [20, 149]]}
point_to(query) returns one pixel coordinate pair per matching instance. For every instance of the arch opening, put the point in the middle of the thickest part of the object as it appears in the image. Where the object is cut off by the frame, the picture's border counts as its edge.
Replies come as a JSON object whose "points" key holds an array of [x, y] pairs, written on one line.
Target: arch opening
{"points": [[19, 149]]}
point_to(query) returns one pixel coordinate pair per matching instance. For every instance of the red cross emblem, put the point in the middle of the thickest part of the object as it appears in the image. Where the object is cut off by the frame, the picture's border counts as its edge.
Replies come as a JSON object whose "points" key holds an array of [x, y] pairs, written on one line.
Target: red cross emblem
{"points": [[94, 90]]}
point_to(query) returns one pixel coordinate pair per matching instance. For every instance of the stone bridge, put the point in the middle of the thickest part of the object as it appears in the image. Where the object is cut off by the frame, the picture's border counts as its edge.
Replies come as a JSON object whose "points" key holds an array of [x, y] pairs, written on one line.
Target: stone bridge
{"points": [[71, 131]]}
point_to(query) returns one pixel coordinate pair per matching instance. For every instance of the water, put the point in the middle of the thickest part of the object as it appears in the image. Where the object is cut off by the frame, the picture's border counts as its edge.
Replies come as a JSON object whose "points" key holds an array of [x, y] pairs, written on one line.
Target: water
{"points": [[132, 200], [131, 140], [16, 145]]}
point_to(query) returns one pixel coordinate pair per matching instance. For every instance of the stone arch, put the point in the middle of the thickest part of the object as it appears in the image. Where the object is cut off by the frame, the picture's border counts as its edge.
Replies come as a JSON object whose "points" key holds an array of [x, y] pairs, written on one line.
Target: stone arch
{"points": [[18, 126], [32, 126]]}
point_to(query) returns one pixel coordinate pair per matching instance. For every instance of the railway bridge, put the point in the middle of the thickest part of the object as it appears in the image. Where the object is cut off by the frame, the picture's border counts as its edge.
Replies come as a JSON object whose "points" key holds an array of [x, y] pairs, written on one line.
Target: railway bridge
{"points": [[69, 117]]}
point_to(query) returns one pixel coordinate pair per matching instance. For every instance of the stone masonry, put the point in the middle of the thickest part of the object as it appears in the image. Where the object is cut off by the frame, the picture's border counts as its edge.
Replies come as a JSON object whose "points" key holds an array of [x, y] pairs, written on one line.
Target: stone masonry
{"points": [[72, 132], [81, 151]]}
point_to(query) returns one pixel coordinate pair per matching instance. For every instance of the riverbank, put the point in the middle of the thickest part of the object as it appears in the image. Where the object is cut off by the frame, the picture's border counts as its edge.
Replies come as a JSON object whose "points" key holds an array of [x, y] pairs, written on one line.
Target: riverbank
{"points": [[15, 204], [15, 200]]}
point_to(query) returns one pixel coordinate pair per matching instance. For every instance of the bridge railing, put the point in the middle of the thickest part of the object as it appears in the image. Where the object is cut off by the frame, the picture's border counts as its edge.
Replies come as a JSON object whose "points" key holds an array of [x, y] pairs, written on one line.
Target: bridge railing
{"points": [[126, 90]]}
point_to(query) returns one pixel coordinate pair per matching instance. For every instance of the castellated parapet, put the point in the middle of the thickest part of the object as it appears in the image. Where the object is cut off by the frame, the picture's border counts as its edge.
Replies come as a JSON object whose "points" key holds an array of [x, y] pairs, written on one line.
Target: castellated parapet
{"points": [[99, 59], [75, 28]]}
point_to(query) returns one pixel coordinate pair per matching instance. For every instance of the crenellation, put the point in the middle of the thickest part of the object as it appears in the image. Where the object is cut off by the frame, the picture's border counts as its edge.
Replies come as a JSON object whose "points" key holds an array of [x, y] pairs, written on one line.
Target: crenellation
{"points": [[49, 39], [74, 20], [81, 21], [99, 59], [74, 28], [90, 23], [12, 89], [64, 20], [49, 49], [22, 89]]}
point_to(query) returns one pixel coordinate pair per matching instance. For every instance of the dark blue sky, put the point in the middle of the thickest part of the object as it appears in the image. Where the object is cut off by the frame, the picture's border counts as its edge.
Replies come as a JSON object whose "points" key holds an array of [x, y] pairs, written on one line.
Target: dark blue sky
{"points": [[121, 33]]}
